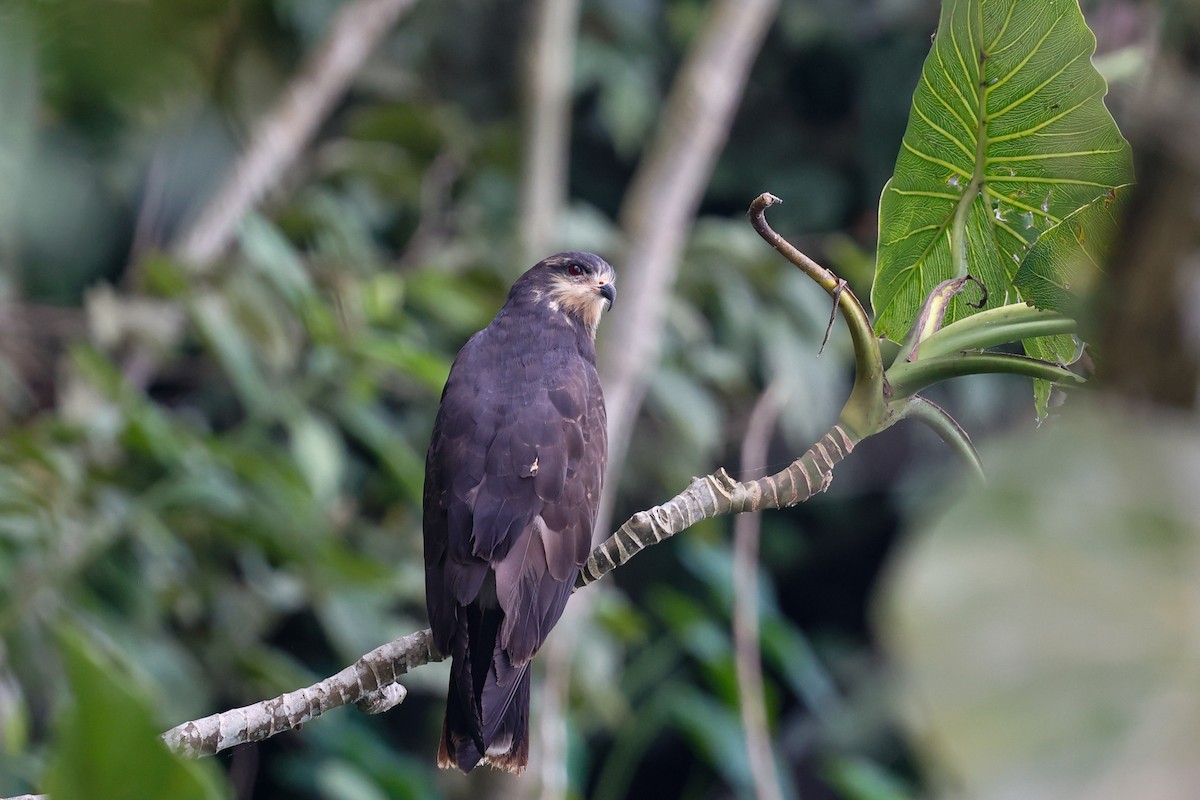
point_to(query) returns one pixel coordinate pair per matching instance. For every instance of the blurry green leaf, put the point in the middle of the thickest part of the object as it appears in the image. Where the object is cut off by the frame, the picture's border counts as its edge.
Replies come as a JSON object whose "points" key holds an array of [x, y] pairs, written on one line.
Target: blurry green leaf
{"points": [[859, 779], [265, 249], [212, 315], [704, 634], [1044, 626], [337, 780], [631, 744], [378, 434], [114, 55], [691, 408], [462, 304], [1067, 260], [18, 98], [1008, 104], [628, 102], [318, 451], [414, 126], [1064, 264], [785, 647], [358, 618], [716, 730], [359, 759], [382, 296], [615, 612], [14, 712], [107, 743], [430, 369], [787, 650], [586, 228]]}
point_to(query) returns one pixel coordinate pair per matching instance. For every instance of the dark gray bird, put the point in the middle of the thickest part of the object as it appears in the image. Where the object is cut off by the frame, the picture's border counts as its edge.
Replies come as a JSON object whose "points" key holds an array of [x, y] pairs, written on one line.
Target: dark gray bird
{"points": [[512, 483]]}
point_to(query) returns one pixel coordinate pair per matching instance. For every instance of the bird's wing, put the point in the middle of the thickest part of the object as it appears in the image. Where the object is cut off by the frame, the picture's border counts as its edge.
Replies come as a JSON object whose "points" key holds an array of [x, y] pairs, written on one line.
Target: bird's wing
{"points": [[555, 447], [454, 465], [513, 482]]}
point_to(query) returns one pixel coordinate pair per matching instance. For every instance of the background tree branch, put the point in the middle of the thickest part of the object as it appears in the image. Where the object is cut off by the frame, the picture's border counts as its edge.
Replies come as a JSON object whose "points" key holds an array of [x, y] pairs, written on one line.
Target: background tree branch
{"points": [[280, 136], [547, 83], [549, 58], [660, 205], [746, 593]]}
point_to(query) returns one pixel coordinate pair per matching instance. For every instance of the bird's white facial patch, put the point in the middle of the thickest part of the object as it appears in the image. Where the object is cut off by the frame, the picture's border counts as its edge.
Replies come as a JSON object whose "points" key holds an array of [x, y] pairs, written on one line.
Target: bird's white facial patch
{"points": [[578, 298]]}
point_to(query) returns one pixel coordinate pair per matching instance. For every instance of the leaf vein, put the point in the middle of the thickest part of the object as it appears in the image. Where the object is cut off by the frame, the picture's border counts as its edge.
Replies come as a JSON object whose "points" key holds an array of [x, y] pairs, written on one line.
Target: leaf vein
{"points": [[1036, 89], [968, 152], [932, 160], [945, 104], [1028, 56], [1015, 203], [1045, 156], [1028, 131], [1012, 7]]}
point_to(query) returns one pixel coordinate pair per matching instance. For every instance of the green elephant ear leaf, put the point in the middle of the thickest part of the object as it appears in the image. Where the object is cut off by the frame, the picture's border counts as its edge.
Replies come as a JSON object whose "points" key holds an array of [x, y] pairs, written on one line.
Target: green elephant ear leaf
{"points": [[1007, 137], [1065, 262]]}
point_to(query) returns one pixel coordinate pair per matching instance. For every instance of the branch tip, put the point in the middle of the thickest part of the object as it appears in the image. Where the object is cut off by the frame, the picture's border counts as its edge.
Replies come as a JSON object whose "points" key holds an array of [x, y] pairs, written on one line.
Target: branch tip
{"points": [[983, 289]]}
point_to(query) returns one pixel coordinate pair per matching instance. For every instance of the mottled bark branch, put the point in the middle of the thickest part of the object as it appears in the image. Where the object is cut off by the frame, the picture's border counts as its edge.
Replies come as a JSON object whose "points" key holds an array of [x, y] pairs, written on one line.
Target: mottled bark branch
{"points": [[369, 682], [716, 495]]}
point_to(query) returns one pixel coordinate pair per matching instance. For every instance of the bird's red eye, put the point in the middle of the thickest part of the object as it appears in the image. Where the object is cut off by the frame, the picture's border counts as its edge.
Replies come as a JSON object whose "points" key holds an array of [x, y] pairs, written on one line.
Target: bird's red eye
{"points": [[574, 270]]}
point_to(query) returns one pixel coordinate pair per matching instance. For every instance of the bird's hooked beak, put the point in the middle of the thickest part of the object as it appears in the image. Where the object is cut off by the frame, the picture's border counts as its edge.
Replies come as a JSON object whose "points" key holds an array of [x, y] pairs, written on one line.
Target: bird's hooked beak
{"points": [[609, 292]]}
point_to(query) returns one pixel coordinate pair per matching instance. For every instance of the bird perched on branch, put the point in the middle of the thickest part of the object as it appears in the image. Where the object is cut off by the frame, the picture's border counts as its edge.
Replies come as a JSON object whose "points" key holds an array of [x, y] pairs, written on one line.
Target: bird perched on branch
{"points": [[512, 484]]}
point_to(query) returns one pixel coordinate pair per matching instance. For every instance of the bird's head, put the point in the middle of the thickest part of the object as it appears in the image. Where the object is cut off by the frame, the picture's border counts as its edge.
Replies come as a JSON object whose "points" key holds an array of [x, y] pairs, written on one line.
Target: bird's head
{"points": [[580, 285]]}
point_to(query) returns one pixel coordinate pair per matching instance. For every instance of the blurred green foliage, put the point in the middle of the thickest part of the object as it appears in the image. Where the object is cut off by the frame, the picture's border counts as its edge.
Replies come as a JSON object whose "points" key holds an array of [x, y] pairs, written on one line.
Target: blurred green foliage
{"points": [[107, 744], [218, 477], [1043, 625]]}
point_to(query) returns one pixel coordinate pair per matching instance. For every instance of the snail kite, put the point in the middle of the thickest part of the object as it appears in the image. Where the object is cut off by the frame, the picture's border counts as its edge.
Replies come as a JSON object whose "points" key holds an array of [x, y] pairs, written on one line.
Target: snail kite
{"points": [[512, 483]]}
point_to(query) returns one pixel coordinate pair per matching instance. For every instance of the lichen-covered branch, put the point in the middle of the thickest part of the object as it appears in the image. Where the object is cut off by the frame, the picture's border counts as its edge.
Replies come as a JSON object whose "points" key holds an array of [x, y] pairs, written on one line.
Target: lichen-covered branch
{"points": [[716, 495], [369, 682]]}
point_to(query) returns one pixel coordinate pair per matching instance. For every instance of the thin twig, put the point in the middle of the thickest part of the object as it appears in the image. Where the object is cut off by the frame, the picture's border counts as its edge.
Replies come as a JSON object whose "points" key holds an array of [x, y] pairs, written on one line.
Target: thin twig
{"points": [[747, 646], [865, 410], [282, 134]]}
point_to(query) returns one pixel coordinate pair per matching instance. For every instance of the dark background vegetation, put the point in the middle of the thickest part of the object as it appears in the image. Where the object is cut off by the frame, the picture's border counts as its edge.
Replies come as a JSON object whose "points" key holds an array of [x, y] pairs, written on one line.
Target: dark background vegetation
{"points": [[217, 477]]}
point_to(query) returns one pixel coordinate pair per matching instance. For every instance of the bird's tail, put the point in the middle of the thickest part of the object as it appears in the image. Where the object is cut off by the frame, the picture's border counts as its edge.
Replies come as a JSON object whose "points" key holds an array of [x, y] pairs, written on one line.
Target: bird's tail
{"points": [[487, 706]]}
